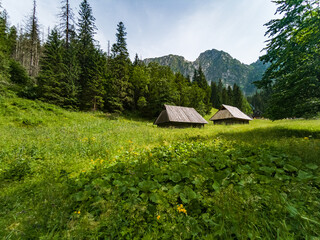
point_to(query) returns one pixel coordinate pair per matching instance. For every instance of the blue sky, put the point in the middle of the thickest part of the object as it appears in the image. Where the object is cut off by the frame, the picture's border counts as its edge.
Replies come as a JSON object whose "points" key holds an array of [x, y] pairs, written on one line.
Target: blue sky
{"points": [[160, 27]]}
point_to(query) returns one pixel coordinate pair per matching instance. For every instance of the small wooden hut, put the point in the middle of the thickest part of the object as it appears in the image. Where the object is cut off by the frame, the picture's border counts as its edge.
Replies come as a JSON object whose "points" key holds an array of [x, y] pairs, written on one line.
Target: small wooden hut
{"points": [[179, 117], [230, 115]]}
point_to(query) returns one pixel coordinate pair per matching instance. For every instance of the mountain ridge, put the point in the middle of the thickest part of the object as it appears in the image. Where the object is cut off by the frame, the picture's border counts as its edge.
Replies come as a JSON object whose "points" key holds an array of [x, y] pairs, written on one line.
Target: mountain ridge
{"points": [[216, 64]]}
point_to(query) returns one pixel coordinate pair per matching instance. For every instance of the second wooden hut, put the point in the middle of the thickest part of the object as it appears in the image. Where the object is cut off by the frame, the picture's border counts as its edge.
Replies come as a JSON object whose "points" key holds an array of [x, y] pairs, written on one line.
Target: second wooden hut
{"points": [[230, 115]]}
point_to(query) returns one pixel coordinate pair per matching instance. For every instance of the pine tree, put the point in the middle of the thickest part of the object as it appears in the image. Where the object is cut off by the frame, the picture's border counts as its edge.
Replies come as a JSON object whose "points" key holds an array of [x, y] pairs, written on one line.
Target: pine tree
{"points": [[120, 89], [94, 90], [90, 81], [200, 80], [52, 87], [215, 95], [229, 100], [237, 97], [219, 90], [224, 96], [70, 53]]}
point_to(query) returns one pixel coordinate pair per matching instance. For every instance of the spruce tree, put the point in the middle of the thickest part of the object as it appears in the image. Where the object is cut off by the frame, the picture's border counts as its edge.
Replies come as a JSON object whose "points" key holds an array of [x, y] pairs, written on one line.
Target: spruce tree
{"points": [[237, 97], [229, 96], [215, 95], [200, 80], [120, 89], [224, 96], [52, 87], [219, 90], [90, 82], [70, 53]]}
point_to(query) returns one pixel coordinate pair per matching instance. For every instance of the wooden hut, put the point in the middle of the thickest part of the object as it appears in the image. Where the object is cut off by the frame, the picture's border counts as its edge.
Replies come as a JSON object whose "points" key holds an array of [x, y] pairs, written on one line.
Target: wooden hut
{"points": [[230, 115], [179, 117]]}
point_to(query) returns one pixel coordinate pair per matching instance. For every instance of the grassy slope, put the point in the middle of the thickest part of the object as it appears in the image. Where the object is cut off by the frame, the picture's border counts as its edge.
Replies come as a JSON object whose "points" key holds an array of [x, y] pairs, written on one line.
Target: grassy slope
{"points": [[40, 142]]}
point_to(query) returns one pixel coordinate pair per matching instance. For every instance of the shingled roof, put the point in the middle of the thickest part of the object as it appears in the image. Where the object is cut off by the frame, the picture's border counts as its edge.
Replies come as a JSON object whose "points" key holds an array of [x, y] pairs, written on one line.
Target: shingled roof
{"points": [[227, 112], [179, 114]]}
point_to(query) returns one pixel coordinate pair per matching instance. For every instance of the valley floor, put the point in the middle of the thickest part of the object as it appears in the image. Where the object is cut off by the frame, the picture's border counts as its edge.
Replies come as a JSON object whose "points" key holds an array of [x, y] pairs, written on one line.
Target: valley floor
{"points": [[69, 175]]}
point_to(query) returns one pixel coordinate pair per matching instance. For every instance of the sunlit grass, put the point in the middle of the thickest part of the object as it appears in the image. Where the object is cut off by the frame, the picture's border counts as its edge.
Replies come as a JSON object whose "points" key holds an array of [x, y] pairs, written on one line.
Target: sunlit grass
{"points": [[40, 142]]}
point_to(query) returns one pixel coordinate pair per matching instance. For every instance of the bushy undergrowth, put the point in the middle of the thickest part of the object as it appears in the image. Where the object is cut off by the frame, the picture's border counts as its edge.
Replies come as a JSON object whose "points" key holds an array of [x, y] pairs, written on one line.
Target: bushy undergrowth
{"points": [[218, 190], [67, 175]]}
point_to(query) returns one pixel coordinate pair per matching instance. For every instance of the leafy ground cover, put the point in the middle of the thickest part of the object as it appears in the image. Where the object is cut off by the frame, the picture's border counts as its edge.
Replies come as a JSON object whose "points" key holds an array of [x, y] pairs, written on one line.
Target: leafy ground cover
{"points": [[68, 175]]}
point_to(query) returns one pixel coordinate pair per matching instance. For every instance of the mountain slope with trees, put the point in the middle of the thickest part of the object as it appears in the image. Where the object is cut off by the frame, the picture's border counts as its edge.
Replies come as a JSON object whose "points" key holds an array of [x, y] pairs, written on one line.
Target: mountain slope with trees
{"points": [[217, 65]]}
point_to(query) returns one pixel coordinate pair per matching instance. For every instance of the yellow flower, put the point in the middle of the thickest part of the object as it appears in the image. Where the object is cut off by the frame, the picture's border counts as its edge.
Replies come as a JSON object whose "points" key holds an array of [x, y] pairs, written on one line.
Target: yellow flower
{"points": [[305, 138], [130, 141], [158, 217], [181, 209], [78, 212]]}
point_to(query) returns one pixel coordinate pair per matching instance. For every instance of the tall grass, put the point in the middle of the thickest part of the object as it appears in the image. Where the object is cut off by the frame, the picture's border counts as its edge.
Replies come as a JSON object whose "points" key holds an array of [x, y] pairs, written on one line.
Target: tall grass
{"points": [[45, 150]]}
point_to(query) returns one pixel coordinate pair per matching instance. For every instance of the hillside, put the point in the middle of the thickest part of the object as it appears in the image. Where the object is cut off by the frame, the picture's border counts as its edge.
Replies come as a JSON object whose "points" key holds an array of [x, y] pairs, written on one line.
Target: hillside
{"points": [[217, 65]]}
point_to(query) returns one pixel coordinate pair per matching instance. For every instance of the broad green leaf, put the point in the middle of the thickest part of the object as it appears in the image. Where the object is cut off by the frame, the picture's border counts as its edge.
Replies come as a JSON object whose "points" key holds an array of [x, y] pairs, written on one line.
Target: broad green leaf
{"points": [[312, 166], [304, 175]]}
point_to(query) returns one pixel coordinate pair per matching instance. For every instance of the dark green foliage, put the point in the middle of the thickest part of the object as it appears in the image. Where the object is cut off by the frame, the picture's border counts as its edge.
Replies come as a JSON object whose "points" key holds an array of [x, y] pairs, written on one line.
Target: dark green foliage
{"points": [[199, 79], [215, 97], [188, 190], [93, 91], [52, 77], [120, 90], [161, 89], [18, 74], [293, 51], [259, 103], [91, 78], [237, 97]]}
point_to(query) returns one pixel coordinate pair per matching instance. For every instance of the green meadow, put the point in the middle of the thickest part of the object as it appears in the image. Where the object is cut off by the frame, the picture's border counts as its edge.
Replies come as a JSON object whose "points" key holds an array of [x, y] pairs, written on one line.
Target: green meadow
{"points": [[75, 175]]}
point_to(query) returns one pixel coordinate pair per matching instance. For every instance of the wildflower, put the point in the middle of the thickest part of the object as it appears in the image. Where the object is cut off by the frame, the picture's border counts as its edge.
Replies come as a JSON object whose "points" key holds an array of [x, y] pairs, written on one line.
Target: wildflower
{"points": [[181, 209], [130, 141], [78, 212], [305, 138], [158, 217]]}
